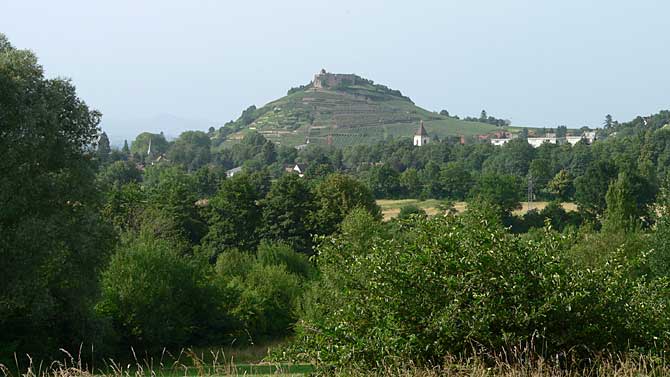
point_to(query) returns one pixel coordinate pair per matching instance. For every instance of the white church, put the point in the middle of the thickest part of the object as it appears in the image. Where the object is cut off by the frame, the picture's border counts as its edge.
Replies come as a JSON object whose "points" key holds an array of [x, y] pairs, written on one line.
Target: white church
{"points": [[421, 136]]}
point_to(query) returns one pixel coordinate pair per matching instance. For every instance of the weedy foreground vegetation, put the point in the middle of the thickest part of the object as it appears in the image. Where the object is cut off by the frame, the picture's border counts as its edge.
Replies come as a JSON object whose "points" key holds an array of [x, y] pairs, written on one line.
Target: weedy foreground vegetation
{"points": [[520, 365]]}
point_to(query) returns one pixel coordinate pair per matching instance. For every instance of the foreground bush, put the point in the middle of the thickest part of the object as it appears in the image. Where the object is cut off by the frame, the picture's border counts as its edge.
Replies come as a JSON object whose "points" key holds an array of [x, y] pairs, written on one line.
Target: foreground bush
{"points": [[456, 285], [264, 288], [154, 297]]}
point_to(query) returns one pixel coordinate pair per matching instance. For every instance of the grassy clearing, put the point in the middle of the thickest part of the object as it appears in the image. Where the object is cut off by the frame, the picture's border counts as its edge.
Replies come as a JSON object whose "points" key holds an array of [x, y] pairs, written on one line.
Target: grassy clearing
{"points": [[525, 207], [391, 207]]}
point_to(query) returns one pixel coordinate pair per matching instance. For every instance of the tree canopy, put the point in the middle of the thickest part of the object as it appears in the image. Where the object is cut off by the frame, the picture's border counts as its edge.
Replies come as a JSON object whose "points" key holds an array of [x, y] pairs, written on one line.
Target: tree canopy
{"points": [[52, 239]]}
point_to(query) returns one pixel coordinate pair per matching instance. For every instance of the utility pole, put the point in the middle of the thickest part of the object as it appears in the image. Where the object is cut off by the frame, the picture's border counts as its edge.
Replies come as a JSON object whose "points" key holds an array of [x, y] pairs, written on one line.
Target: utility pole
{"points": [[530, 192]]}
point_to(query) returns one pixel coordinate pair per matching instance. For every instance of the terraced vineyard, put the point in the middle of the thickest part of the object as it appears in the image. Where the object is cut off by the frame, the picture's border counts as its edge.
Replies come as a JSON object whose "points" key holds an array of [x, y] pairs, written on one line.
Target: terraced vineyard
{"points": [[356, 114]]}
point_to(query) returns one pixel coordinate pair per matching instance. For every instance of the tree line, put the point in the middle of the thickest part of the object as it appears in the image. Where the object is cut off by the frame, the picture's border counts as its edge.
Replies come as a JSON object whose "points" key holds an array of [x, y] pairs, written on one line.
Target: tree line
{"points": [[394, 168]]}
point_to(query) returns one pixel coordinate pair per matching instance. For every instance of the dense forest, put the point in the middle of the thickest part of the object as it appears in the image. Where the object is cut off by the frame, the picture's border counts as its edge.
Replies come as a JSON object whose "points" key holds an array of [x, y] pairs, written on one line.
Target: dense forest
{"points": [[636, 151], [155, 246]]}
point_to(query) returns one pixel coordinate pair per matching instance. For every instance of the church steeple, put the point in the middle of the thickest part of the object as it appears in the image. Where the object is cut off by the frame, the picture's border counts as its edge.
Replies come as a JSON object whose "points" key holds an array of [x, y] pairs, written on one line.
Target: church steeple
{"points": [[421, 131], [421, 136]]}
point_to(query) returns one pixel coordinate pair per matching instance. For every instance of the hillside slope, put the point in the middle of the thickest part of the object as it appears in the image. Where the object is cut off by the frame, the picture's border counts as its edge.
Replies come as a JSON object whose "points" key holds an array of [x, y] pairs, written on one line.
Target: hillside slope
{"points": [[346, 110]]}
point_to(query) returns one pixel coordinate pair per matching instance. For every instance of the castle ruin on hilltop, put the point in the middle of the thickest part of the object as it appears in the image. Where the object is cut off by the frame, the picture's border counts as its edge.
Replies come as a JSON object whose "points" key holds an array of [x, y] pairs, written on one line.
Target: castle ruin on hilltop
{"points": [[323, 80]]}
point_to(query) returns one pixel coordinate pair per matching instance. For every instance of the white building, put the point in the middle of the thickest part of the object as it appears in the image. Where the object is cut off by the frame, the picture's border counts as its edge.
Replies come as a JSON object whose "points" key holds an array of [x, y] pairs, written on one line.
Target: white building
{"points": [[296, 168], [230, 173], [536, 142], [499, 142], [421, 136]]}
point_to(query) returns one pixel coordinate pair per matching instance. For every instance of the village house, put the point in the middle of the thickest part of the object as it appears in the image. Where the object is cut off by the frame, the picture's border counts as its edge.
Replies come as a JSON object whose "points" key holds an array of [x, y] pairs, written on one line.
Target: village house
{"points": [[230, 173], [550, 138], [496, 135], [296, 168]]}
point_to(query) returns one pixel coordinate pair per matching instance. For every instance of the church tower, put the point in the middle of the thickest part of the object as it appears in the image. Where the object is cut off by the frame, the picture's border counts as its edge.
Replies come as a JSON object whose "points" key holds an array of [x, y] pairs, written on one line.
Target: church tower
{"points": [[421, 136]]}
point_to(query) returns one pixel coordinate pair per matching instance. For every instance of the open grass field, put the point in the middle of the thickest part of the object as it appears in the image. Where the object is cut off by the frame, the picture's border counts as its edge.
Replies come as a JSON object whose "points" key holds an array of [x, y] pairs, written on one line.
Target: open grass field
{"points": [[391, 207]]}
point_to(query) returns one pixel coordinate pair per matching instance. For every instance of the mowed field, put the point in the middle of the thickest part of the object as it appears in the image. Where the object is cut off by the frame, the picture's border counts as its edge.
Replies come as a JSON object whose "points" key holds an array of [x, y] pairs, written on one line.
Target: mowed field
{"points": [[391, 207]]}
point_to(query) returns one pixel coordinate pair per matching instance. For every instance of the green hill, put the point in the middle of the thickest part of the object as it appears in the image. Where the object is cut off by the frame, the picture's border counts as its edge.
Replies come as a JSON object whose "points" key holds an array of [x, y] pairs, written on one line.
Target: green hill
{"points": [[344, 110]]}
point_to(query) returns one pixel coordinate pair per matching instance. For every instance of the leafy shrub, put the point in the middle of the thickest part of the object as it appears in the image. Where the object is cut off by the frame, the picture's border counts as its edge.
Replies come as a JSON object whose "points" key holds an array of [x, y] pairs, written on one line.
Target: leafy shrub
{"points": [[281, 254], [119, 173], [660, 258], [234, 263], [262, 291], [593, 250], [502, 190], [458, 284], [410, 210], [267, 300], [338, 195], [554, 213], [153, 295]]}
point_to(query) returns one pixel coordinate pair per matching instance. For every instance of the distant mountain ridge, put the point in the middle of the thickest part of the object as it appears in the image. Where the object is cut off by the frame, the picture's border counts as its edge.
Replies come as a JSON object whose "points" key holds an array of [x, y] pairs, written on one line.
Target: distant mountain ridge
{"points": [[170, 125], [344, 109]]}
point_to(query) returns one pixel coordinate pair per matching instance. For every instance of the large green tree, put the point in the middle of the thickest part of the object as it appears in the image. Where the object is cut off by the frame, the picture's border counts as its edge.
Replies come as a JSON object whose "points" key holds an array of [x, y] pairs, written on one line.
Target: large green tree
{"points": [[622, 213], [119, 173], [431, 182], [338, 195], [52, 241], [514, 158], [103, 148], [384, 182], [561, 185], [140, 146], [591, 188], [456, 181], [173, 193], [541, 172], [191, 149], [288, 210], [233, 216], [502, 190]]}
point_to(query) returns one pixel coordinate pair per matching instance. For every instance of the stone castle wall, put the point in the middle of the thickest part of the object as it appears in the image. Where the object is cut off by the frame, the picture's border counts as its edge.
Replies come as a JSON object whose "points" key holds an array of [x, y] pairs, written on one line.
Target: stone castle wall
{"points": [[324, 79]]}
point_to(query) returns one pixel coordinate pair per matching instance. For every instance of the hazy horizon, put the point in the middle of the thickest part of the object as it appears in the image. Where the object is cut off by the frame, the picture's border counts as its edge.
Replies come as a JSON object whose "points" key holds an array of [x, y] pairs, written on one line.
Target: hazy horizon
{"points": [[203, 62]]}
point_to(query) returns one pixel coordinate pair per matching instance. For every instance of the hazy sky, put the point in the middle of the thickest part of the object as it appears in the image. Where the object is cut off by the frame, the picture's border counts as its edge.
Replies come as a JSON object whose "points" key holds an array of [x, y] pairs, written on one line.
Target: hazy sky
{"points": [[536, 62]]}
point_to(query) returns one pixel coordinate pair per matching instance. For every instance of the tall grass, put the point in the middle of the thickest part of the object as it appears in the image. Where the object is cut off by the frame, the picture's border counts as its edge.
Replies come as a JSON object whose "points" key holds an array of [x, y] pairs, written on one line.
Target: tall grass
{"points": [[189, 364], [606, 366], [186, 363]]}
